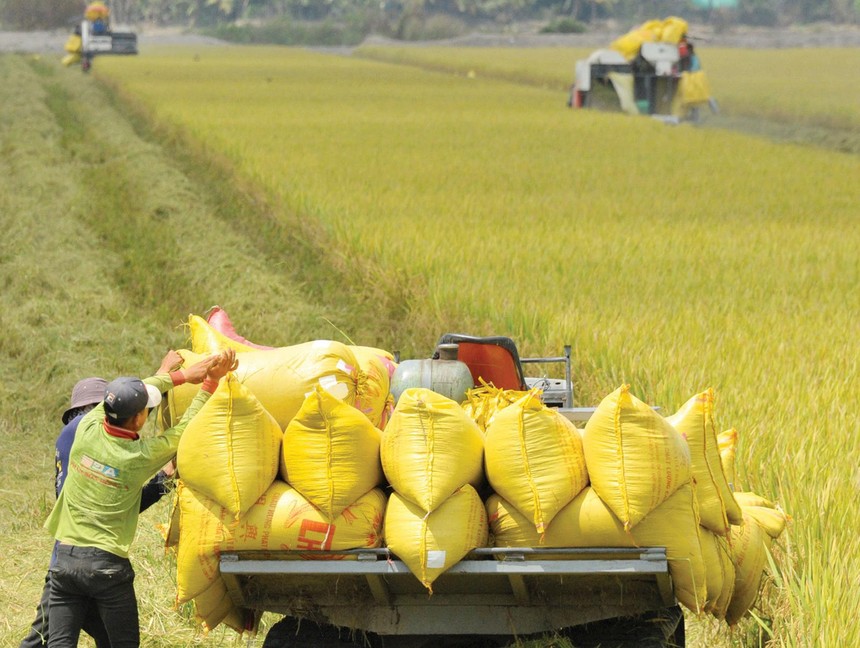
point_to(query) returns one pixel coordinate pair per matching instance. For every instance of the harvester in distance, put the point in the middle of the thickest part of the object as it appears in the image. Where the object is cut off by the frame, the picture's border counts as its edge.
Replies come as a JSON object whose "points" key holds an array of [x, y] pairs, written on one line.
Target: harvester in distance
{"points": [[94, 36], [652, 70]]}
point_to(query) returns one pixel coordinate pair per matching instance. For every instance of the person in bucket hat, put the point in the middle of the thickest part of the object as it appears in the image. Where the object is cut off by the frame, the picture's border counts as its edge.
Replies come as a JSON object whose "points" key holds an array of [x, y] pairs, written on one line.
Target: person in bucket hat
{"points": [[86, 394], [95, 517]]}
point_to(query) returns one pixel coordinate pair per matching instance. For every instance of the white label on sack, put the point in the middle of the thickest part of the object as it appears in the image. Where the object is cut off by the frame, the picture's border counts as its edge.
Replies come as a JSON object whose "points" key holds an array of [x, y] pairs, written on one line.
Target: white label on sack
{"points": [[344, 367], [435, 559], [333, 387], [321, 344]]}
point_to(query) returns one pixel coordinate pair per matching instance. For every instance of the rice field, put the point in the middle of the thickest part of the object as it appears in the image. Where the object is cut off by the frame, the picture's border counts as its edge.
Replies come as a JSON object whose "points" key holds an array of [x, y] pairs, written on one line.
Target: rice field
{"points": [[671, 258]]}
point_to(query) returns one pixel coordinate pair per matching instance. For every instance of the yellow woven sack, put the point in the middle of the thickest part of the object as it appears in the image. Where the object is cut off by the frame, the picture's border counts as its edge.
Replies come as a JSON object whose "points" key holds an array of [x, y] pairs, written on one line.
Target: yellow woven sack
{"points": [[749, 546], [430, 543], [719, 572], [230, 449], [281, 378], [728, 443], [630, 43], [694, 88], [769, 515], [534, 459], [375, 400], [206, 339], [635, 458], [96, 10], [284, 520], [747, 498], [213, 606], [588, 522], [431, 448], [695, 422], [672, 29], [202, 525], [331, 453], [73, 44]]}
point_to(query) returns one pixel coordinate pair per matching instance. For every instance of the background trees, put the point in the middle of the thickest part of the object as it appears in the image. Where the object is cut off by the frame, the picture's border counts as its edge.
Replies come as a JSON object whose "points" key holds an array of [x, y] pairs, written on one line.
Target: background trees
{"points": [[389, 14]]}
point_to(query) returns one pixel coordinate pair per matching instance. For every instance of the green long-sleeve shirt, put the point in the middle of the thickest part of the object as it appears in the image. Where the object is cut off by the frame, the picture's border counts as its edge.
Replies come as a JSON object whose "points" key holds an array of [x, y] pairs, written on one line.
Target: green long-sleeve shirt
{"points": [[100, 500]]}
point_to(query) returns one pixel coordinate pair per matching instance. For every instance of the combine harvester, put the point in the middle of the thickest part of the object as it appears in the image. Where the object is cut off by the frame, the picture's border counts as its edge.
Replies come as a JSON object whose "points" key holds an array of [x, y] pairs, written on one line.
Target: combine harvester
{"points": [[651, 70], [95, 37]]}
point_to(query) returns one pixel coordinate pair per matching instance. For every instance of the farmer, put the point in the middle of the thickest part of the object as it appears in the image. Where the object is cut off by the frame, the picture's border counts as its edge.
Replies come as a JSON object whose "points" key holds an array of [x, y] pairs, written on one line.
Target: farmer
{"points": [[86, 394], [95, 517]]}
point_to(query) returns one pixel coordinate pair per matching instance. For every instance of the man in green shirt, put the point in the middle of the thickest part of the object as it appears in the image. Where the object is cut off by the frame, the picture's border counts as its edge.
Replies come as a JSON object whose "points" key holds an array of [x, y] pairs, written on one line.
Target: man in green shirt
{"points": [[95, 517]]}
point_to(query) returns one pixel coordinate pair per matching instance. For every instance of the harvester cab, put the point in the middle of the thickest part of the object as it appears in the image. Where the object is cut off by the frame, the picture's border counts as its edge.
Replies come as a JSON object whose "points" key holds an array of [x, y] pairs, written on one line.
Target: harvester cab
{"points": [[95, 36], [652, 70]]}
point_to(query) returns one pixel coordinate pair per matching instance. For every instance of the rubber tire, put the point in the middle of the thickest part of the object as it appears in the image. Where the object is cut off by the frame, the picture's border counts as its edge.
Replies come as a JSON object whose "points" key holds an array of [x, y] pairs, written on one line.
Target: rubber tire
{"points": [[290, 632], [660, 629]]}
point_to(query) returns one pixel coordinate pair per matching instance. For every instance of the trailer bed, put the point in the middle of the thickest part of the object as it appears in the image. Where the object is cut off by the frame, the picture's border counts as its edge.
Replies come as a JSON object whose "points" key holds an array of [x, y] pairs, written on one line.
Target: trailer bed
{"points": [[509, 591]]}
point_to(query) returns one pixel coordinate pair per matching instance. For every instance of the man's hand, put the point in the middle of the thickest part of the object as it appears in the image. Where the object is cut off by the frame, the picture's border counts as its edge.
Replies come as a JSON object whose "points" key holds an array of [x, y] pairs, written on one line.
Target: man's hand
{"points": [[171, 362], [226, 361], [169, 468], [196, 373]]}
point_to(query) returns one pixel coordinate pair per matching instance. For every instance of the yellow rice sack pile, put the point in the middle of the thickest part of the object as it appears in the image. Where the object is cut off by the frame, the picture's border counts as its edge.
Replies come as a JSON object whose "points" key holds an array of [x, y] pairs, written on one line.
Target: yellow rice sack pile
{"points": [[232, 451], [635, 458], [653, 479], [669, 30], [695, 422], [588, 522], [534, 459], [372, 396], [280, 520], [280, 378]]}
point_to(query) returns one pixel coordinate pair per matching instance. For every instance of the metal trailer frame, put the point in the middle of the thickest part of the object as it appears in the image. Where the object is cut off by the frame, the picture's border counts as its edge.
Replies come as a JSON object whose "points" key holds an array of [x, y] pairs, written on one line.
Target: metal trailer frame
{"points": [[493, 591]]}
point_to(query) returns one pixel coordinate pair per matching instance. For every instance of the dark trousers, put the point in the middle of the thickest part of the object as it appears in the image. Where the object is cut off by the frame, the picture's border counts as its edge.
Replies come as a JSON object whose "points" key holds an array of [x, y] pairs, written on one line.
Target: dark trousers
{"points": [[83, 578], [38, 635]]}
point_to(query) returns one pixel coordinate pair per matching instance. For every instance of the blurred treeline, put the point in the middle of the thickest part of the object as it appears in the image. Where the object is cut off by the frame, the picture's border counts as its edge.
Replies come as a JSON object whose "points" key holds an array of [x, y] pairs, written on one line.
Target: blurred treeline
{"points": [[352, 20]]}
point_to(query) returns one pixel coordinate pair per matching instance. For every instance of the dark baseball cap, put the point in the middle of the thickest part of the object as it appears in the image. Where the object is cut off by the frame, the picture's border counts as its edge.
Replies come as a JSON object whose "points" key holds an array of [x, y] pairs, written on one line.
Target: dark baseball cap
{"points": [[125, 397], [89, 391]]}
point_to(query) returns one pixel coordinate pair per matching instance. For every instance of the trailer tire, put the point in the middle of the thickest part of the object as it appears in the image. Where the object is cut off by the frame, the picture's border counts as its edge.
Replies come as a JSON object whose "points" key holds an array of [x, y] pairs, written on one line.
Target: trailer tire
{"points": [[291, 632], [660, 629]]}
